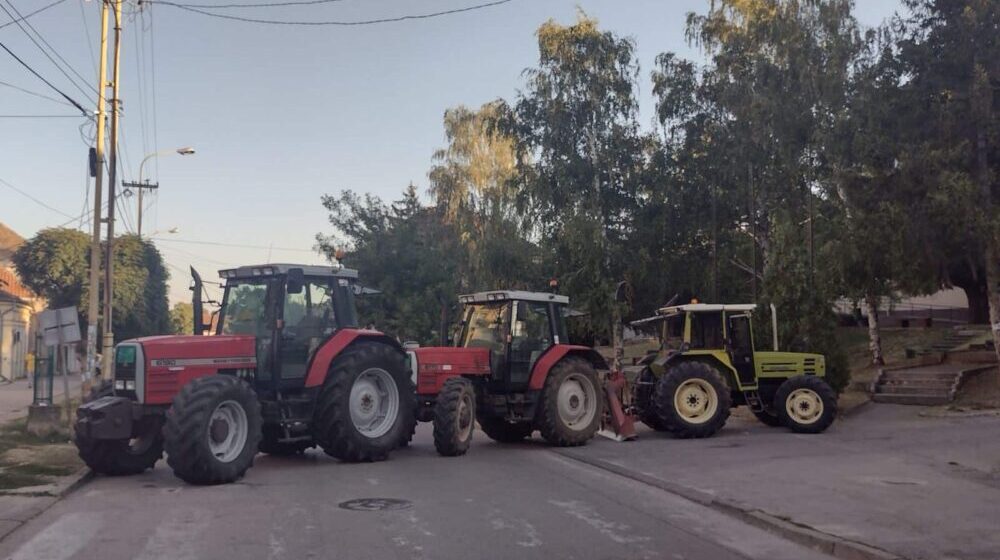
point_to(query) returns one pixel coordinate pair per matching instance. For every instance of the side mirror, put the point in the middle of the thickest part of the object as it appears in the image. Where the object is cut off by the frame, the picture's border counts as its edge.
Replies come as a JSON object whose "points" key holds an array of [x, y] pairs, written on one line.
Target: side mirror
{"points": [[295, 281]]}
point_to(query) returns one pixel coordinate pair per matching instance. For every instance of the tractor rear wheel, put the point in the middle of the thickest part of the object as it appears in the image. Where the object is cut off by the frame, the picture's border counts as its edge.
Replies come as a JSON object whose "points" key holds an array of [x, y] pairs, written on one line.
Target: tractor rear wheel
{"points": [[121, 457], [806, 404], [502, 431], [366, 407], [454, 417], [269, 443], [692, 400], [571, 407], [213, 430]]}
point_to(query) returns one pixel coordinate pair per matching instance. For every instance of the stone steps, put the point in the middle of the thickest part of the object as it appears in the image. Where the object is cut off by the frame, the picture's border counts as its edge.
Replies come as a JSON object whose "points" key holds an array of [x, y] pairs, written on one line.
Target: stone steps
{"points": [[914, 399]]}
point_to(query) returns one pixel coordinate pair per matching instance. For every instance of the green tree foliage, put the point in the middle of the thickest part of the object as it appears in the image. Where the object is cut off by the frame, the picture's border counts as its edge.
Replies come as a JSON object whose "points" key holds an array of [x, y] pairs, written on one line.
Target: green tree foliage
{"points": [[182, 318], [55, 263]]}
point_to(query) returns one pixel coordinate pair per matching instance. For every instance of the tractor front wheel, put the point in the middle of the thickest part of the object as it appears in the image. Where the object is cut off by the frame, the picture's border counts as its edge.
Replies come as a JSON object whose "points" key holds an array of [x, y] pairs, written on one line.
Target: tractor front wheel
{"points": [[366, 407], [569, 413], [692, 400], [502, 431], [454, 417], [806, 404], [121, 457], [213, 430]]}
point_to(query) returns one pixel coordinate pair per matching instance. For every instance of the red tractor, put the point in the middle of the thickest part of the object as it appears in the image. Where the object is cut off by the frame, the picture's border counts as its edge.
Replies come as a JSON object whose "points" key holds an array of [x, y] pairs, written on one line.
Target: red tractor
{"points": [[287, 369], [513, 371]]}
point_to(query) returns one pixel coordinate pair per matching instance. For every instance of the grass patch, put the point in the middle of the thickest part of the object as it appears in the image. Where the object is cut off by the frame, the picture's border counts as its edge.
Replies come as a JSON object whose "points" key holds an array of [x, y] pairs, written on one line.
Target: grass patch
{"points": [[29, 460], [895, 341]]}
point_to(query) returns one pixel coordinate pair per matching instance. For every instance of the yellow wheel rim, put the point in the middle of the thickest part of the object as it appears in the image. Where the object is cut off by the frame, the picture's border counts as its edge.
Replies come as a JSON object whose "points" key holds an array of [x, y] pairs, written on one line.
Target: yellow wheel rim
{"points": [[804, 406], [696, 401]]}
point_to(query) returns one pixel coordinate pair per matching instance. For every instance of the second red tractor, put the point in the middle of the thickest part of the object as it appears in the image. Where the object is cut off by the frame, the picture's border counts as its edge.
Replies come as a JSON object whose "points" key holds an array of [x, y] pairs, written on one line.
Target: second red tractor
{"points": [[512, 370]]}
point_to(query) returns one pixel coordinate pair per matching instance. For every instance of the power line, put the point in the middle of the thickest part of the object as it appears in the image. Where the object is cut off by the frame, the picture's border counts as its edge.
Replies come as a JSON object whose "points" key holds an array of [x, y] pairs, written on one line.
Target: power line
{"points": [[324, 23], [44, 52], [39, 116], [36, 94], [263, 5], [239, 245], [48, 83], [35, 200], [38, 11]]}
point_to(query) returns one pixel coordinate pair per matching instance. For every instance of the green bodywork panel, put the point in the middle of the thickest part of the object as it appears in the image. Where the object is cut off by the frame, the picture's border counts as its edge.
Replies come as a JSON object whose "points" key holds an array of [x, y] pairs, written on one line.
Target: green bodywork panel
{"points": [[782, 365]]}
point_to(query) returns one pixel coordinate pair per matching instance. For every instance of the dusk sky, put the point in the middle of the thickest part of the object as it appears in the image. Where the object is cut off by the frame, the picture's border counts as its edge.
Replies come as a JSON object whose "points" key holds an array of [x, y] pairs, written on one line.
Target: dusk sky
{"points": [[279, 115]]}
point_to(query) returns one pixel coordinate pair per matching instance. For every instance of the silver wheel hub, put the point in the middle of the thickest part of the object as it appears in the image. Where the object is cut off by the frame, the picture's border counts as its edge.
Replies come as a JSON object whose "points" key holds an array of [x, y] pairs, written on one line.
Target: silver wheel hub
{"points": [[228, 431], [374, 402], [464, 419], [576, 401]]}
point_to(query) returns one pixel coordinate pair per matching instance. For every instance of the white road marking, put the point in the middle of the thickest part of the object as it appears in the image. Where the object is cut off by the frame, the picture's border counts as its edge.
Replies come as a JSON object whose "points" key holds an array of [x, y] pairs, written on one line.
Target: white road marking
{"points": [[175, 538], [62, 539], [611, 529], [277, 547], [530, 539]]}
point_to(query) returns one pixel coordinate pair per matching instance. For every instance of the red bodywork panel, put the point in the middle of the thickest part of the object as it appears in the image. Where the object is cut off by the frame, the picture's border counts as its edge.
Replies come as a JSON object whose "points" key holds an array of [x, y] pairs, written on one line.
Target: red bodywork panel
{"points": [[437, 364], [173, 361], [320, 363], [552, 356]]}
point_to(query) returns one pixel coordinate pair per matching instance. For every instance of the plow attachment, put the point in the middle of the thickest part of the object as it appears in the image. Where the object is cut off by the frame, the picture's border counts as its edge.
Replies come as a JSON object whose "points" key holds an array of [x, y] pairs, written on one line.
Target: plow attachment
{"points": [[618, 422]]}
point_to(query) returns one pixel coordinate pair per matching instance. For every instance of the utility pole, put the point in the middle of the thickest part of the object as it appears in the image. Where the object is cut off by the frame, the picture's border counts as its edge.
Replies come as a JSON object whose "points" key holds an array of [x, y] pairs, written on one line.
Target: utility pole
{"points": [[109, 337], [139, 186], [93, 309]]}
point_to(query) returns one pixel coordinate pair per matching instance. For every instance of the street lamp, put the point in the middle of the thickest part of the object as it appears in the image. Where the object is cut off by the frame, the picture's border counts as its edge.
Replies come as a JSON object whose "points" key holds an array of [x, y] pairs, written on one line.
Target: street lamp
{"points": [[141, 186]]}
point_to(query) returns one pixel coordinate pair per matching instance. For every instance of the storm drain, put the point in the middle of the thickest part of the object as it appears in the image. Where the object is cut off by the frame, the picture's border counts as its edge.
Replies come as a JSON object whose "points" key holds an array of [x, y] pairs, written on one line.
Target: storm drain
{"points": [[375, 504]]}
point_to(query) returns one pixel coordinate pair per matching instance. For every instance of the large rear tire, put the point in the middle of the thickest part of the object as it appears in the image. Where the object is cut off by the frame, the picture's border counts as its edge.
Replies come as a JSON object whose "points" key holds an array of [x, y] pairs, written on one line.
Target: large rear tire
{"points": [[213, 430], [121, 457], [806, 404], [454, 417], [502, 431], [570, 410], [692, 400], [367, 405]]}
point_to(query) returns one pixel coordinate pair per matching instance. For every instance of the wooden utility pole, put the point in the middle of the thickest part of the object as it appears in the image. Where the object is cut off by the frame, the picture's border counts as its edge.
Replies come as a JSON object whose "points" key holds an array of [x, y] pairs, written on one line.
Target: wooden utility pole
{"points": [[139, 187], [93, 309], [109, 262]]}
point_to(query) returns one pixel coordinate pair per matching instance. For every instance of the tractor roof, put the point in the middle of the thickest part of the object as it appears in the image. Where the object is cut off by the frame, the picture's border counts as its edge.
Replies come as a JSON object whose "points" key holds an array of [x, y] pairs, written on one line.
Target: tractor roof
{"points": [[696, 307], [506, 295], [256, 270]]}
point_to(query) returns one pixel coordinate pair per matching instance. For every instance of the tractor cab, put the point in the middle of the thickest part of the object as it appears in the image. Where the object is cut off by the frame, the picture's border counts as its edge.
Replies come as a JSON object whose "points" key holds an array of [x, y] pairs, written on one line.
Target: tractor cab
{"points": [[516, 327], [290, 310]]}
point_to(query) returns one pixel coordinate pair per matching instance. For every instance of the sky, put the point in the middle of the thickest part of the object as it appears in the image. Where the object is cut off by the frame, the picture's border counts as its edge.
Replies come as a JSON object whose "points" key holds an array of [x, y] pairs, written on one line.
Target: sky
{"points": [[278, 115]]}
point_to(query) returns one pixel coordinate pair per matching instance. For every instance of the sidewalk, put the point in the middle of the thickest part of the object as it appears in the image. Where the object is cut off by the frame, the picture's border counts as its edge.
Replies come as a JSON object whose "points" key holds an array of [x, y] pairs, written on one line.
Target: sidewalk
{"points": [[16, 397], [899, 478]]}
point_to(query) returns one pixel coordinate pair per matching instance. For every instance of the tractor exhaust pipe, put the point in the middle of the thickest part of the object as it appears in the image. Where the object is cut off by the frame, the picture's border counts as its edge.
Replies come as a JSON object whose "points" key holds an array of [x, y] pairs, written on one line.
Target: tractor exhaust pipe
{"points": [[774, 326]]}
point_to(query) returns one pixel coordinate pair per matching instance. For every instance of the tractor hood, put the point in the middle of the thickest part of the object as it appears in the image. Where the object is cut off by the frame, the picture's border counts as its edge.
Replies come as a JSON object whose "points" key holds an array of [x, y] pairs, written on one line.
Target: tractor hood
{"points": [[203, 349]]}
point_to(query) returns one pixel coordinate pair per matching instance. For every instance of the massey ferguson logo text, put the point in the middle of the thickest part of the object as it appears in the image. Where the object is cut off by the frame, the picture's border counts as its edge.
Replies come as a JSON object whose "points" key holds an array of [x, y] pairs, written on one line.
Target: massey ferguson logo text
{"points": [[174, 362]]}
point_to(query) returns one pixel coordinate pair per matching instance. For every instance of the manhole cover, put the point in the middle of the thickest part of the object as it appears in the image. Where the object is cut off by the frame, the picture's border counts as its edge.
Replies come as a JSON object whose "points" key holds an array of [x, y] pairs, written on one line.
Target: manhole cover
{"points": [[375, 504]]}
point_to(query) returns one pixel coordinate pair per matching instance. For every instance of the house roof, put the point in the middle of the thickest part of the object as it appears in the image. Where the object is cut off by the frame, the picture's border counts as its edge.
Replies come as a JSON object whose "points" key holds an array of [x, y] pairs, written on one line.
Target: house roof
{"points": [[9, 242]]}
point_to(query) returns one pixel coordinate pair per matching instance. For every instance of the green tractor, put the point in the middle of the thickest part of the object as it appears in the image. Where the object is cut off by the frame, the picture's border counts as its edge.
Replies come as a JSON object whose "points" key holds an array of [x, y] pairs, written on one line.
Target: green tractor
{"points": [[707, 364]]}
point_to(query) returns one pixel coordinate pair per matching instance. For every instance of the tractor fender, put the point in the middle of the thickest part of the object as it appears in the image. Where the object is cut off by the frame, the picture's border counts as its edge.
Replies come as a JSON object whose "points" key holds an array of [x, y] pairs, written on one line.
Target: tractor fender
{"points": [[555, 354], [319, 365]]}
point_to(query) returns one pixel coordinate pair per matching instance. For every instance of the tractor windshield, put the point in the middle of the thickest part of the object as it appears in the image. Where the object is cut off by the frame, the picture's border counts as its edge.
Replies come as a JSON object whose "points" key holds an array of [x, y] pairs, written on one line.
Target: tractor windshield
{"points": [[485, 326], [244, 308], [673, 332]]}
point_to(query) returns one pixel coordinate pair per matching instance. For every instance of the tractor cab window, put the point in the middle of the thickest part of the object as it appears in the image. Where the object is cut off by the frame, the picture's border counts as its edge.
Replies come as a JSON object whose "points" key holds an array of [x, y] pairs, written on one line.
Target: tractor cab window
{"points": [[531, 335], [673, 332], [486, 327], [308, 320], [245, 309], [706, 330]]}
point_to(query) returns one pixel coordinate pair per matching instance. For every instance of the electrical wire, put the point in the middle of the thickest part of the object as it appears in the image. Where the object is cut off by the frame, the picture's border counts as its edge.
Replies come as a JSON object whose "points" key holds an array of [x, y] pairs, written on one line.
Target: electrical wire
{"points": [[238, 245], [39, 116], [262, 5], [35, 200], [48, 83], [38, 11], [34, 93], [325, 23], [44, 52]]}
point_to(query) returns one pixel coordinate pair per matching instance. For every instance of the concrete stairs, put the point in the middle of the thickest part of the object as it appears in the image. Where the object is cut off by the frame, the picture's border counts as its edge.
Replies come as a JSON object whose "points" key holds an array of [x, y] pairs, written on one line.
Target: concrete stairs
{"points": [[953, 338]]}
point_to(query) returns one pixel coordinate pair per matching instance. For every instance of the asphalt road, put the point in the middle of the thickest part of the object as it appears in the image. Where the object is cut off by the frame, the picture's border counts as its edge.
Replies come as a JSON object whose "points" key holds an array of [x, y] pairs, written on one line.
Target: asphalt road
{"points": [[514, 501]]}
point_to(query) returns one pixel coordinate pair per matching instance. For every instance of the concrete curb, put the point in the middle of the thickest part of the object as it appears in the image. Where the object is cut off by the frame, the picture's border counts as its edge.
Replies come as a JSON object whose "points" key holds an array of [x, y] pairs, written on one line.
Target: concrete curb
{"points": [[46, 499], [826, 543]]}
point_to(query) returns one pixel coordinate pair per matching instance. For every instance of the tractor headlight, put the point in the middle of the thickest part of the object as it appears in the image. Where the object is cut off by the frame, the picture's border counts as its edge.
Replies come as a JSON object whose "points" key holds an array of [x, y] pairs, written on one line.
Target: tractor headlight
{"points": [[119, 385], [130, 385]]}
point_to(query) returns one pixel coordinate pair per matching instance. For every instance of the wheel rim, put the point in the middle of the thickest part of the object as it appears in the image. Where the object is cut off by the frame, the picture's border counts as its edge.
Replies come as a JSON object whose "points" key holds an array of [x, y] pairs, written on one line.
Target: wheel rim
{"points": [[227, 431], [804, 406], [465, 416], [576, 401], [696, 401], [374, 402]]}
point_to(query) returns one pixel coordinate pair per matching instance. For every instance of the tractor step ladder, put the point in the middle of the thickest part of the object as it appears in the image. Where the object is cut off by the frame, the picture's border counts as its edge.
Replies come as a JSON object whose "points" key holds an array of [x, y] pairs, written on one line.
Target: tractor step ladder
{"points": [[290, 424], [753, 400]]}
